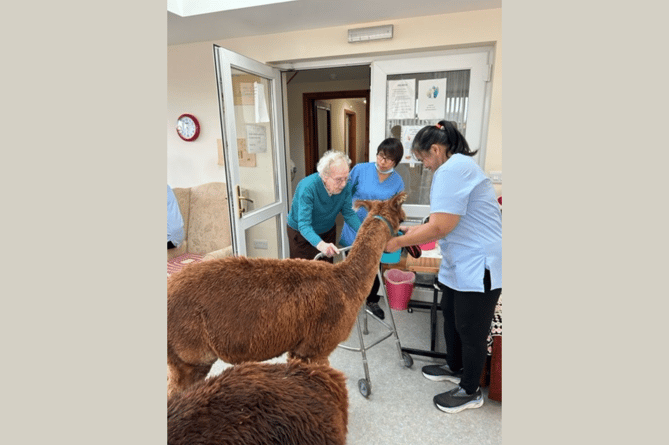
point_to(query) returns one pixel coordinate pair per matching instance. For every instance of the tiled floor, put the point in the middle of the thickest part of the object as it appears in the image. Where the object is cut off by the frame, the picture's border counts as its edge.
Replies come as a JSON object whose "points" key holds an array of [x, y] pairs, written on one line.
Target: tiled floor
{"points": [[400, 410]]}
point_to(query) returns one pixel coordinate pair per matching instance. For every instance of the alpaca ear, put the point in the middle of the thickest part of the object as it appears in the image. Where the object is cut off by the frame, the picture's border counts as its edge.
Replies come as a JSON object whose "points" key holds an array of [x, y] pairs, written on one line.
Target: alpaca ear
{"points": [[399, 198]]}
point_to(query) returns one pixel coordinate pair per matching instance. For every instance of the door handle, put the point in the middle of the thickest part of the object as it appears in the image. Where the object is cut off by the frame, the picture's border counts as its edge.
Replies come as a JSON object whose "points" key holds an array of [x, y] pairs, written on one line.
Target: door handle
{"points": [[239, 201]]}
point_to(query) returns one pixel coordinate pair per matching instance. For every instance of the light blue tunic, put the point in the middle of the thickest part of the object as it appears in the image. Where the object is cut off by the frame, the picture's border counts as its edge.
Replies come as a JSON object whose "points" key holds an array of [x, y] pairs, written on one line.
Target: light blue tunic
{"points": [[365, 185], [175, 222], [460, 187]]}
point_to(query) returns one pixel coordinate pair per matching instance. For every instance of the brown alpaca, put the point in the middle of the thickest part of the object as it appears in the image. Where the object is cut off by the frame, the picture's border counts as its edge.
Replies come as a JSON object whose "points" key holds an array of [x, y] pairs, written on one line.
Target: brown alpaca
{"points": [[253, 309], [261, 403]]}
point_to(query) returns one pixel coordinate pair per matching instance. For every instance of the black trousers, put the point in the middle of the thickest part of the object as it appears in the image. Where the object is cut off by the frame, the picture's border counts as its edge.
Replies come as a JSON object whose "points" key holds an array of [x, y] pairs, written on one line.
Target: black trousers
{"points": [[301, 248], [374, 296], [467, 318]]}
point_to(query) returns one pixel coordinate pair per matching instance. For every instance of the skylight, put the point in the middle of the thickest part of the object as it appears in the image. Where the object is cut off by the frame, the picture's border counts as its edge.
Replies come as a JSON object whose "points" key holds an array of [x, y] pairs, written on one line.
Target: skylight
{"points": [[187, 8]]}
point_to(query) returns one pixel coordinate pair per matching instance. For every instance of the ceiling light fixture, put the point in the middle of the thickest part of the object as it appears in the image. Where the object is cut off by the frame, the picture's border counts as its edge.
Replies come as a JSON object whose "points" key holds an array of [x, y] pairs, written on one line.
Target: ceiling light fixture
{"points": [[372, 33]]}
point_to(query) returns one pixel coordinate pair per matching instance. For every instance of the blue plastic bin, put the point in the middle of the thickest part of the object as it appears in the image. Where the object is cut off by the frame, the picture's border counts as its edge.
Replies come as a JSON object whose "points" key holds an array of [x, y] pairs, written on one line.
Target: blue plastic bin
{"points": [[391, 257]]}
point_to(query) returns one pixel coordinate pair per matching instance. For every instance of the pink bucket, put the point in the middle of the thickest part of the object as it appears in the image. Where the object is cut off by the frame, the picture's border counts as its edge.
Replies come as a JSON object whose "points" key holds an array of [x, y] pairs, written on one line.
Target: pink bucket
{"points": [[428, 246], [399, 285]]}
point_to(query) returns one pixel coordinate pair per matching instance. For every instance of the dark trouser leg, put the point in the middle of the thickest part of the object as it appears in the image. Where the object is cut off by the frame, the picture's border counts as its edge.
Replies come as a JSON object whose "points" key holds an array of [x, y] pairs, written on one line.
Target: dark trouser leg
{"points": [[373, 296], [301, 248], [472, 313], [453, 343]]}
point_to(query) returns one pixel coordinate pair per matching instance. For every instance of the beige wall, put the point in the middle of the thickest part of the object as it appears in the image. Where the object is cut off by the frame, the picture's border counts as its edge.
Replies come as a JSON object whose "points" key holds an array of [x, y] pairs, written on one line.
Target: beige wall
{"points": [[191, 84]]}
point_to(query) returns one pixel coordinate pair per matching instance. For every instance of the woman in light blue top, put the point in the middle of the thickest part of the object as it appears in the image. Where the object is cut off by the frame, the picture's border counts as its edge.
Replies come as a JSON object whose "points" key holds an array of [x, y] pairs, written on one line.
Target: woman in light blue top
{"points": [[375, 180], [466, 219], [175, 222]]}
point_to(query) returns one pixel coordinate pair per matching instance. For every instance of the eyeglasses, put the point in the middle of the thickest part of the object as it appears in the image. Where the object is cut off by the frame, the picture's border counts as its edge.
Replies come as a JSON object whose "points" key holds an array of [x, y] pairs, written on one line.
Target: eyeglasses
{"points": [[343, 180], [381, 157]]}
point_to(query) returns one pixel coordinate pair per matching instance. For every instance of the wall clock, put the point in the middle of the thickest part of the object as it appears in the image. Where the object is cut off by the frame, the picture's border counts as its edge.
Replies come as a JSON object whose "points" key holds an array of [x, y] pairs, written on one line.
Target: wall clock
{"points": [[188, 128]]}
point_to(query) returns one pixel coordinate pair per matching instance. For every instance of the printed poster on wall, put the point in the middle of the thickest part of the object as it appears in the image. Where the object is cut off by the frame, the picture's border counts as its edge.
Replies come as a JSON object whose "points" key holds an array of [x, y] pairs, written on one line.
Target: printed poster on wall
{"points": [[242, 89], [401, 99], [432, 99], [245, 93], [406, 136]]}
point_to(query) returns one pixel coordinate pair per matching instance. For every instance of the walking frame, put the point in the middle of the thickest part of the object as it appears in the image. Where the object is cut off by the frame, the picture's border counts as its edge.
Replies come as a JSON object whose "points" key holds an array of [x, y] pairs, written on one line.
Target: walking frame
{"points": [[365, 385]]}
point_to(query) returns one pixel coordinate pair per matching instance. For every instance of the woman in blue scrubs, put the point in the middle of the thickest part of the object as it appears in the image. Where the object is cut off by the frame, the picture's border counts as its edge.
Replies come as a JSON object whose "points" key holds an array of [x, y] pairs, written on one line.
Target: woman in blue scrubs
{"points": [[375, 180]]}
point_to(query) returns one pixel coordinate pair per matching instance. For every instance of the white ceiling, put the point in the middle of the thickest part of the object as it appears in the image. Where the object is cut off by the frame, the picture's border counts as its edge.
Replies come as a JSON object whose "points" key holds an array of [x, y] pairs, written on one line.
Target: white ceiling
{"points": [[300, 15]]}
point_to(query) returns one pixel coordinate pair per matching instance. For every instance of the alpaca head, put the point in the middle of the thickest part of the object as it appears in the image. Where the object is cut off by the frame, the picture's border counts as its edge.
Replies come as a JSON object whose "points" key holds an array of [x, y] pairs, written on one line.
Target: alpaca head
{"points": [[390, 210]]}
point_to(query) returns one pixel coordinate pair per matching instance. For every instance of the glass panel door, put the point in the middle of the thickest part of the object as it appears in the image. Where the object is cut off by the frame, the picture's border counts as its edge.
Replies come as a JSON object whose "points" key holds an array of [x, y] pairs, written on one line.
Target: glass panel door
{"points": [[254, 152]]}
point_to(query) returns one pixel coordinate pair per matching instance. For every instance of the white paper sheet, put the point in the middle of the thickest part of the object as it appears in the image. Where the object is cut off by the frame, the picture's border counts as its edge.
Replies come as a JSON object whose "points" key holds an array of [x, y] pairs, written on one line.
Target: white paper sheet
{"points": [[407, 134], [256, 139], [260, 102], [432, 99], [401, 99]]}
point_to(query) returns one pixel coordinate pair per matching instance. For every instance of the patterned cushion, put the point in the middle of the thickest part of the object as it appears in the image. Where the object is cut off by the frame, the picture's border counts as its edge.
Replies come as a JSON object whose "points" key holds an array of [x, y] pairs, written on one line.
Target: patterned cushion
{"points": [[178, 263], [496, 325]]}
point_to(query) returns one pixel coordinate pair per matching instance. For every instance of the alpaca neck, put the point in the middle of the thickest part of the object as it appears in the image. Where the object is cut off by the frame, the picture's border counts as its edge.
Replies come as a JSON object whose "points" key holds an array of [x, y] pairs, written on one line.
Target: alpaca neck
{"points": [[362, 262], [392, 232]]}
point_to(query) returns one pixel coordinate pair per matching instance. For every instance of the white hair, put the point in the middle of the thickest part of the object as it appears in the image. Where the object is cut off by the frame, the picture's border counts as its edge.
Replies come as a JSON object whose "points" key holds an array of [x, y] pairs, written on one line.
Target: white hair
{"points": [[331, 157]]}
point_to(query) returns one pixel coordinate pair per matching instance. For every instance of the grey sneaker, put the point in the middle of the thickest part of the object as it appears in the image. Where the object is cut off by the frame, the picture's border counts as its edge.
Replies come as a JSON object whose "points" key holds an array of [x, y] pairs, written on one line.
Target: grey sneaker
{"points": [[376, 310], [457, 400], [441, 373]]}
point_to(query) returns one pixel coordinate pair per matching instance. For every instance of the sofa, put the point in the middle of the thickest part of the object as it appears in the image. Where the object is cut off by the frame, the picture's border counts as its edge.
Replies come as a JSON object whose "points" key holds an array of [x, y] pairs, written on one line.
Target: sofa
{"points": [[204, 209]]}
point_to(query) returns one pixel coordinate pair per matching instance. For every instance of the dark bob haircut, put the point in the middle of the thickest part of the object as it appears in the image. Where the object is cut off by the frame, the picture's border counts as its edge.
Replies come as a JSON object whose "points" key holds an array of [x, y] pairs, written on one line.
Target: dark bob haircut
{"points": [[392, 149]]}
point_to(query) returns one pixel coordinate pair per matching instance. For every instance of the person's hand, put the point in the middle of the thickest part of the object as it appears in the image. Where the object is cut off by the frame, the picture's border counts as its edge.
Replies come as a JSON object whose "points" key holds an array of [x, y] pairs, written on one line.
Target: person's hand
{"points": [[392, 245], [328, 249]]}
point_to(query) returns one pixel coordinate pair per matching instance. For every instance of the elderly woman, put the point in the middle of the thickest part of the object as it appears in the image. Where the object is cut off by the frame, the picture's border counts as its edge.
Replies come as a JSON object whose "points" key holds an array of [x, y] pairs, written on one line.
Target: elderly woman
{"points": [[466, 219], [318, 199]]}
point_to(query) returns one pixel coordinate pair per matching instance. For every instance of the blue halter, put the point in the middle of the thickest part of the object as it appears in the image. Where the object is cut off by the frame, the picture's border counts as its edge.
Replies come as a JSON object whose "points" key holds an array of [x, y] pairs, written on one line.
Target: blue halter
{"points": [[392, 233]]}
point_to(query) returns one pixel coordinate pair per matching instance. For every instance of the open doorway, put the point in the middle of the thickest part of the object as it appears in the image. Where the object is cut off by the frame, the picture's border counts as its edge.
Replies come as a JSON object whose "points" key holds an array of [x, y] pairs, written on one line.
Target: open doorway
{"points": [[342, 134], [350, 133], [320, 106], [322, 126]]}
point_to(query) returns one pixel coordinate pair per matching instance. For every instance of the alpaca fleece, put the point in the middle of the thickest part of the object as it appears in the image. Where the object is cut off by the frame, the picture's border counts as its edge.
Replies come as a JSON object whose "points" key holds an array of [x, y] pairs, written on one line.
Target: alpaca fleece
{"points": [[253, 309], [261, 403]]}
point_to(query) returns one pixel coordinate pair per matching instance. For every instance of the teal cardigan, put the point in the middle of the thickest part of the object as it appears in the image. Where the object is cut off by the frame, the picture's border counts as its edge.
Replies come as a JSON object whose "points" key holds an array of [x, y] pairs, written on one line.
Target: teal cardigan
{"points": [[313, 211]]}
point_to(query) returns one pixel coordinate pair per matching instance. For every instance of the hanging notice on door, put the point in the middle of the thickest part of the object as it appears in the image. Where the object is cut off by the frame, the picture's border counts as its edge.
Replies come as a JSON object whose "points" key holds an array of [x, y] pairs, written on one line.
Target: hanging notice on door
{"points": [[260, 103], [256, 139], [432, 99], [408, 132], [401, 99]]}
